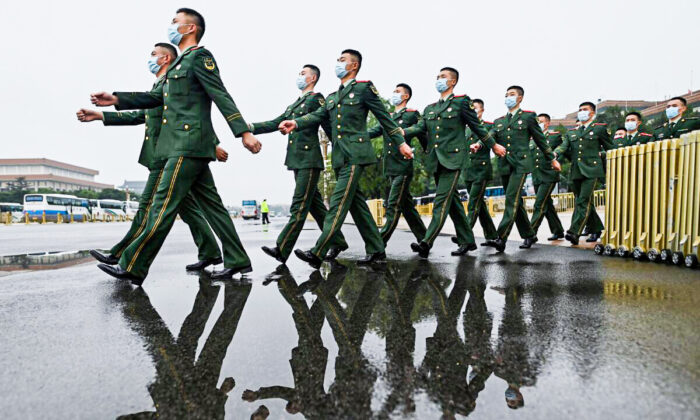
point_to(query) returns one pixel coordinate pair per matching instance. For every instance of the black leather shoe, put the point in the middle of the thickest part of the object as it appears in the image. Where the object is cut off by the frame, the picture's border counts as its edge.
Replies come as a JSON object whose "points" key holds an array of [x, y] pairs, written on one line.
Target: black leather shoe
{"points": [[201, 265], [499, 244], [489, 242], [104, 258], [334, 252], [309, 258], [121, 274], [463, 249], [372, 258], [593, 238], [274, 253], [421, 248], [527, 243], [556, 237], [585, 232], [454, 240], [571, 238], [228, 273]]}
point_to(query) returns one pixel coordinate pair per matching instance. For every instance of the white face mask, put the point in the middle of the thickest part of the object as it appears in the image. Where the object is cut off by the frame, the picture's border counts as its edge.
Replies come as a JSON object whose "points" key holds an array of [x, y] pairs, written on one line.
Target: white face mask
{"points": [[583, 116], [541, 126], [630, 125]]}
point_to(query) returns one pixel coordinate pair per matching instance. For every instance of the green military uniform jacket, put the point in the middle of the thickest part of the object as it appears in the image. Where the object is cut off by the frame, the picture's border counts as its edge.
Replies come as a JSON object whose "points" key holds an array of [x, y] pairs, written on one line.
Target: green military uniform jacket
{"points": [[478, 167], [444, 124], [395, 164], [639, 138], [303, 147], [619, 142], [346, 113], [675, 130], [191, 84], [543, 172], [515, 135], [584, 149]]}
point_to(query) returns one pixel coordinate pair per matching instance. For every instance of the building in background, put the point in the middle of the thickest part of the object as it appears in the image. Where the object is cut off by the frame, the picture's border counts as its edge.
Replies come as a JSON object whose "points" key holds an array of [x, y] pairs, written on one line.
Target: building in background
{"points": [[135, 187], [47, 173]]}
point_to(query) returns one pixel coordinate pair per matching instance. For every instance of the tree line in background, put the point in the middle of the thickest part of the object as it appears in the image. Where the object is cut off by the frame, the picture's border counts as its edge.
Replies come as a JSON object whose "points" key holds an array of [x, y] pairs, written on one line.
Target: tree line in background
{"points": [[18, 188]]}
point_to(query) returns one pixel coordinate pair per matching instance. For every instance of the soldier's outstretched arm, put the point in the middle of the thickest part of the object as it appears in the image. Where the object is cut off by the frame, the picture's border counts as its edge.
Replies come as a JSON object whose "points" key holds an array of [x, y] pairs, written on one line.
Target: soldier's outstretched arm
{"points": [[561, 150], [418, 129], [124, 118], [137, 100], [265, 127], [319, 116]]}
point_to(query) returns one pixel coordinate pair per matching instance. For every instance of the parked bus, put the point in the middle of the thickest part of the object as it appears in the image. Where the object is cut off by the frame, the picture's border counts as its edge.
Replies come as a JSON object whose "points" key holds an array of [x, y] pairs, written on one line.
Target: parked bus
{"points": [[130, 208], [250, 210], [51, 205], [15, 208], [100, 208]]}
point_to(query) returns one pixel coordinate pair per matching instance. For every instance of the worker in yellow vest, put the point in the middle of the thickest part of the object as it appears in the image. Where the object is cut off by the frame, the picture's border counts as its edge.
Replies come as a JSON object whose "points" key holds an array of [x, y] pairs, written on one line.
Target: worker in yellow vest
{"points": [[265, 210]]}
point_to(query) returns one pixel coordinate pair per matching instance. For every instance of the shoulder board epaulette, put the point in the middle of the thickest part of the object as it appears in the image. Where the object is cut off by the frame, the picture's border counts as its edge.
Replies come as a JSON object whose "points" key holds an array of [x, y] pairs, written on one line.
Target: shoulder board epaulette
{"points": [[646, 134], [501, 117], [363, 81], [458, 96], [198, 47], [411, 110], [531, 112], [600, 123], [573, 129], [487, 122]]}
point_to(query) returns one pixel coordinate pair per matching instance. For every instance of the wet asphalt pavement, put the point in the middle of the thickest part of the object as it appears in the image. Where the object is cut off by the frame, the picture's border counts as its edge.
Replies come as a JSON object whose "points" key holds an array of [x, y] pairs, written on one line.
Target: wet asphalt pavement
{"points": [[543, 333]]}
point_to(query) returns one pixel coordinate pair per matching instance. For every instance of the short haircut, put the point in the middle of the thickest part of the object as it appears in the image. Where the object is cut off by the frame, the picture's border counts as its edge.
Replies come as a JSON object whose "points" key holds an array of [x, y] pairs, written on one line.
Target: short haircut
{"points": [[546, 116], [315, 70], [452, 70], [635, 113], [172, 51], [408, 89], [198, 20], [518, 89], [591, 104], [478, 101], [620, 128], [679, 98], [356, 55]]}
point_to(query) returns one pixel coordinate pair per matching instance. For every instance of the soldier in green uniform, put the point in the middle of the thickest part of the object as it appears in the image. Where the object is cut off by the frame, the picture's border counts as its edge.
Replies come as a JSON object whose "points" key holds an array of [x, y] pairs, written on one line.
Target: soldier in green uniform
{"points": [[399, 169], [346, 112], [514, 131], [584, 146], [444, 124], [678, 123], [477, 174], [633, 120], [161, 57], [188, 140], [544, 179], [619, 139], [305, 159]]}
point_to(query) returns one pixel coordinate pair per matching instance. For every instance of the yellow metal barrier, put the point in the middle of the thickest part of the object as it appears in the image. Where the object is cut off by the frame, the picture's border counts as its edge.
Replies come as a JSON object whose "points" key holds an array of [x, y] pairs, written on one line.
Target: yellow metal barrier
{"points": [[376, 207], [653, 201]]}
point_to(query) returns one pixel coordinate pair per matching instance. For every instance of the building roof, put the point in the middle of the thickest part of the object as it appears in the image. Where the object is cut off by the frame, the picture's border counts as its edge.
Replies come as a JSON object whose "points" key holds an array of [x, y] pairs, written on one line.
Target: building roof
{"points": [[55, 178], [49, 162]]}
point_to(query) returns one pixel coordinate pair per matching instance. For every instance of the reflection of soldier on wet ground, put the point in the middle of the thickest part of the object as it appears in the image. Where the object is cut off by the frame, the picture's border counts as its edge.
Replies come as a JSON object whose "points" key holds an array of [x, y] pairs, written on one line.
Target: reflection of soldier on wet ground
{"points": [[309, 358], [401, 339], [478, 323], [186, 386]]}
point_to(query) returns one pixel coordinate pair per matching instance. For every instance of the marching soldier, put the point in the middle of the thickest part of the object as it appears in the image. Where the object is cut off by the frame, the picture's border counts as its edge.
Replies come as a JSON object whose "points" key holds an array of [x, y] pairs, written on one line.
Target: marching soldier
{"points": [[476, 176], [444, 123], [677, 123], [633, 120], [583, 147], [544, 179], [305, 159], [399, 169], [514, 131], [161, 57], [346, 112], [188, 140]]}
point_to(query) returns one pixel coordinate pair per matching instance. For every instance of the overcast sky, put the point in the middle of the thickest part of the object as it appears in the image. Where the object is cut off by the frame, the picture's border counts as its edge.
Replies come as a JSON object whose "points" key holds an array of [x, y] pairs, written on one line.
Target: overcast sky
{"points": [[561, 52]]}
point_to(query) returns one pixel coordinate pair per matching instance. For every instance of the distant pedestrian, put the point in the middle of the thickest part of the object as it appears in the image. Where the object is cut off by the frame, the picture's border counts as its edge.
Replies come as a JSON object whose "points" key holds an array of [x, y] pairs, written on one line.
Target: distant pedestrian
{"points": [[265, 210]]}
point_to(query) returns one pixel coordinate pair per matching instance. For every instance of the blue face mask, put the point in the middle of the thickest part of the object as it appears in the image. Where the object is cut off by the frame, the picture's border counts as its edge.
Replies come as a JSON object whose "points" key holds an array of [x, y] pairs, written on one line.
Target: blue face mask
{"points": [[301, 82], [583, 116], [173, 35], [340, 70], [153, 65], [672, 112], [441, 85], [396, 99], [511, 101]]}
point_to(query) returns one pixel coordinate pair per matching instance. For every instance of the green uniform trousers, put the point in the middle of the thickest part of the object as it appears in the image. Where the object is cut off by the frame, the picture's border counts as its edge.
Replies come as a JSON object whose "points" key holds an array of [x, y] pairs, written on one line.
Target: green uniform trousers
{"points": [[400, 202], [544, 207], [447, 202], [476, 209], [181, 176], [584, 210], [189, 212], [514, 211], [347, 197], [306, 200]]}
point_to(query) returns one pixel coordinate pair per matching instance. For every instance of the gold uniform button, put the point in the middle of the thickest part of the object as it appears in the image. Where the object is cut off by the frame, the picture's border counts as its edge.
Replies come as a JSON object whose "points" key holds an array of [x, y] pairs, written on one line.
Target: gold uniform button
{"points": [[306, 147], [508, 129], [438, 118], [437, 136], [537, 166], [508, 137], [507, 153], [438, 127], [389, 152], [338, 126], [165, 94], [389, 144], [338, 135], [290, 142], [508, 145], [579, 158], [360, 140], [146, 137], [338, 105], [456, 150], [483, 163], [338, 116], [146, 116], [165, 120], [436, 146], [187, 127], [165, 107]]}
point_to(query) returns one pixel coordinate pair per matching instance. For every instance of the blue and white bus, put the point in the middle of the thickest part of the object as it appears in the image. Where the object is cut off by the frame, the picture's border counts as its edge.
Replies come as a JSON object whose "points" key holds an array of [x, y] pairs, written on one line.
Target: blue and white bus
{"points": [[105, 207], [51, 205], [250, 210]]}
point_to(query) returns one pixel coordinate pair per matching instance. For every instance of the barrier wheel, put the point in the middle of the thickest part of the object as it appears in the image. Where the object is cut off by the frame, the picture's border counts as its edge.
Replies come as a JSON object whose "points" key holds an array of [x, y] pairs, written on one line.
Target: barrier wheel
{"points": [[638, 254], [622, 252], [609, 250], [653, 255], [677, 258], [598, 249], [665, 255], [691, 261]]}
